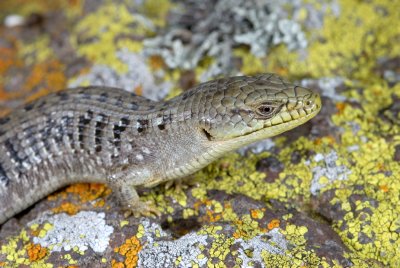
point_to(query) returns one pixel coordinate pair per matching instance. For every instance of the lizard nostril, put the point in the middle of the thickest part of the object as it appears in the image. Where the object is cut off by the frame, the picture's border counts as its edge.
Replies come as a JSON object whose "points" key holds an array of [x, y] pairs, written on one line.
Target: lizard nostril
{"points": [[309, 103]]}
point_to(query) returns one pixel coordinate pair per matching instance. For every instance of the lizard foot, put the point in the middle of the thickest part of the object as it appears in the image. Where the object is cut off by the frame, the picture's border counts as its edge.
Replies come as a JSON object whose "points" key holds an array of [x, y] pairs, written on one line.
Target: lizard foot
{"points": [[180, 184], [146, 209]]}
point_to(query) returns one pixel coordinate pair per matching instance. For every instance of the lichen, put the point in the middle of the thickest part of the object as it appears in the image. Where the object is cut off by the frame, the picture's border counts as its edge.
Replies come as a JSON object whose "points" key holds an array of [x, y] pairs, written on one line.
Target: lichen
{"points": [[36, 252], [76, 233], [354, 42], [18, 251], [101, 43], [137, 78], [229, 24], [130, 250]]}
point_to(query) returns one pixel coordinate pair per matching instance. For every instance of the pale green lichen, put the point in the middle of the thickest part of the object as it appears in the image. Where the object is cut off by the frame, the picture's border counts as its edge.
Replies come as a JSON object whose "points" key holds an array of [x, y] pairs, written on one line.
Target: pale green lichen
{"points": [[156, 11], [16, 253], [36, 51], [115, 22], [372, 223], [353, 43]]}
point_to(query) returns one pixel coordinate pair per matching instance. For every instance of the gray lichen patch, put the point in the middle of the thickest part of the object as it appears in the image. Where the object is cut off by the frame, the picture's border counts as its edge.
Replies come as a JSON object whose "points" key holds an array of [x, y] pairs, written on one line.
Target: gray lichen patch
{"points": [[194, 248], [328, 169], [161, 251], [138, 75], [227, 24], [328, 86], [274, 242], [84, 230]]}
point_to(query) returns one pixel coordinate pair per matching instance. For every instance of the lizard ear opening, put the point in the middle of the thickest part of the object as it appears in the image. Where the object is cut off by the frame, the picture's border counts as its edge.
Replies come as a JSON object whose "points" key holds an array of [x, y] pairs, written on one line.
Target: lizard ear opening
{"points": [[207, 134]]}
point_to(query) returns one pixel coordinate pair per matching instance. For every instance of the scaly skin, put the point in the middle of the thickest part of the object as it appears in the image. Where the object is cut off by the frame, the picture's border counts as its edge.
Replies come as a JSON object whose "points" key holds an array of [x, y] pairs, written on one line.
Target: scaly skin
{"points": [[107, 135]]}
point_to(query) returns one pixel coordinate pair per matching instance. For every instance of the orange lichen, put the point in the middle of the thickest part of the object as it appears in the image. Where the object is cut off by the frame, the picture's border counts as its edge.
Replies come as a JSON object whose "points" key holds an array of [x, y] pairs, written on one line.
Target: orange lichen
{"points": [[138, 90], [115, 264], [197, 205], [75, 3], [340, 106], [156, 62], [44, 78], [212, 216], [257, 213], [4, 112], [67, 207], [36, 252], [240, 232], [130, 250], [34, 232], [274, 224], [100, 203], [84, 192], [384, 188], [327, 140], [88, 191], [8, 59], [52, 73]]}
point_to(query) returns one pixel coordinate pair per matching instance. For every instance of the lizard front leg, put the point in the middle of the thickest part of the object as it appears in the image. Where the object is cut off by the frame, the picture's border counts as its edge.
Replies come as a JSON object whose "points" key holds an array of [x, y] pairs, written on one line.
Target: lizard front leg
{"points": [[123, 183]]}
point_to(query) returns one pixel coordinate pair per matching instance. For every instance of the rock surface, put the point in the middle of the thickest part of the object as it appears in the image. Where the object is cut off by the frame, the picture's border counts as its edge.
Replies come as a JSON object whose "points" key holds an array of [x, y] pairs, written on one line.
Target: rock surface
{"points": [[323, 195]]}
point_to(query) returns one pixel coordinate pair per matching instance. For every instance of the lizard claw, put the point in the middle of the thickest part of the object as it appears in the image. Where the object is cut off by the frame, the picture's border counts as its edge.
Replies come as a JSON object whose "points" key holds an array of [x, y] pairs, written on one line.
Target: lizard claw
{"points": [[146, 209], [179, 184]]}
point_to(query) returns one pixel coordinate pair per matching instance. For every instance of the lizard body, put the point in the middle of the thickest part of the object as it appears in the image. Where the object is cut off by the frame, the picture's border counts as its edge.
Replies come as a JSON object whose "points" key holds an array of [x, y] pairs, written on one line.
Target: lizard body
{"points": [[107, 135]]}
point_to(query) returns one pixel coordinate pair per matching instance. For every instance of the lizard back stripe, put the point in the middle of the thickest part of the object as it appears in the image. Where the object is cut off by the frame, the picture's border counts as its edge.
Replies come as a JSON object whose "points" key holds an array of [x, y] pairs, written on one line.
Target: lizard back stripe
{"points": [[4, 179], [98, 135]]}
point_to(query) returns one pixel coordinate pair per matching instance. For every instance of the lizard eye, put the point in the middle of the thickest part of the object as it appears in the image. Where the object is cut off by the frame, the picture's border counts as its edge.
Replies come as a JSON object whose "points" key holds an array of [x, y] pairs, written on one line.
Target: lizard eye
{"points": [[266, 110]]}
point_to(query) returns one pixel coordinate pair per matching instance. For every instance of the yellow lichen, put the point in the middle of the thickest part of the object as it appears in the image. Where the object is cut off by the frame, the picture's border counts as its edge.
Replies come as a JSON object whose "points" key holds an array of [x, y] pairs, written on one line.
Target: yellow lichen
{"points": [[156, 10], [19, 251], [116, 21], [37, 51], [251, 63], [352, 42], [375, 171], [24, 8]]}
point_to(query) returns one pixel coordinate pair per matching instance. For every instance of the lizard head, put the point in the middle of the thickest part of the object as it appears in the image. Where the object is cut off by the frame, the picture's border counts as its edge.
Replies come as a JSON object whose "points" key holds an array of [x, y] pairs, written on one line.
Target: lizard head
{"points": [[251, 108]]}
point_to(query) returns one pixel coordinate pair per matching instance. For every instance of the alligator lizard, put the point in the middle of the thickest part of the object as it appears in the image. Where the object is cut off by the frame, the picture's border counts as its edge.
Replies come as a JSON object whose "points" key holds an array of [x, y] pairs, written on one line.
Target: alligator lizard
{"points": [[107, 135]]}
